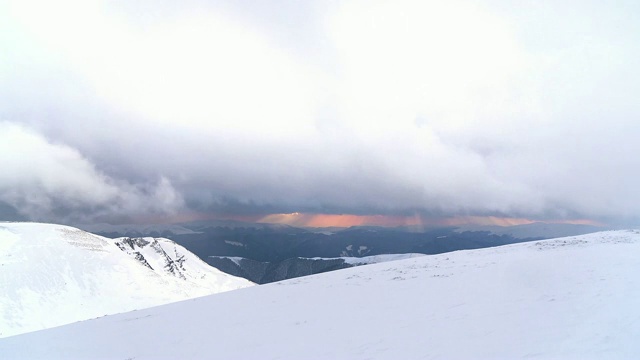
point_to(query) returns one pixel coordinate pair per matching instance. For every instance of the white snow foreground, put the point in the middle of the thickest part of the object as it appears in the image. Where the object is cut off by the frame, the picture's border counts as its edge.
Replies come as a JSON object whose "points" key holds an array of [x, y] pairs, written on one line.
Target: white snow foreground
{"points": [[569, 298], [52, 275]]}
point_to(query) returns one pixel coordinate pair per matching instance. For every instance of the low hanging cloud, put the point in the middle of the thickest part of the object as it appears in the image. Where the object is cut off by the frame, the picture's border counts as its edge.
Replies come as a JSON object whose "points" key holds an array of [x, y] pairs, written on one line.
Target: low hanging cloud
{"points": [[43, 180], [426, 108]]}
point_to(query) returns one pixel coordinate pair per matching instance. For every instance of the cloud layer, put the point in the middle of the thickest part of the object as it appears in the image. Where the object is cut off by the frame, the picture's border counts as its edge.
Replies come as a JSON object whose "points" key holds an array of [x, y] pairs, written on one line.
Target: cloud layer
{"points": [[48, 181], [409, 108]]}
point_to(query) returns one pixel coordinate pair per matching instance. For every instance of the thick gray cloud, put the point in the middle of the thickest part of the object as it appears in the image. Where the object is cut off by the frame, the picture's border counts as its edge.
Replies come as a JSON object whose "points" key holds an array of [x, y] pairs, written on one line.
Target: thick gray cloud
{"points": [[442, 108], [44, 180]]}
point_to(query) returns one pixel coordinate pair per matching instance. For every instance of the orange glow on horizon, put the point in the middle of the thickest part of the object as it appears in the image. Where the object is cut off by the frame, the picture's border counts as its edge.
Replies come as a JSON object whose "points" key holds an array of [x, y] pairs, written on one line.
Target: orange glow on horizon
{"points": [[347, 220], [337, 220]]}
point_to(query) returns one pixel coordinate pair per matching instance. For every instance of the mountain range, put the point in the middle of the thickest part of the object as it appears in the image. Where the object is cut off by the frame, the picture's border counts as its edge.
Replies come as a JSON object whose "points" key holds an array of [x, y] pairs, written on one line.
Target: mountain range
{"points": [[264, 253]]}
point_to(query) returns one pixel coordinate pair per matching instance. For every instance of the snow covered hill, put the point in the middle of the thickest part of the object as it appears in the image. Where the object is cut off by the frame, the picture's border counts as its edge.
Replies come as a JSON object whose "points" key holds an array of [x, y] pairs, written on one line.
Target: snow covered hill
{"points": [[52, 275], [569, 298]]}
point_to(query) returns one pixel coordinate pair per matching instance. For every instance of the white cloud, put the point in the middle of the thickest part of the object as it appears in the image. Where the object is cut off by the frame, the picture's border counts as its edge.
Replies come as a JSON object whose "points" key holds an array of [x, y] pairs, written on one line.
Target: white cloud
{"points": [[450, 63], [198, 69]]}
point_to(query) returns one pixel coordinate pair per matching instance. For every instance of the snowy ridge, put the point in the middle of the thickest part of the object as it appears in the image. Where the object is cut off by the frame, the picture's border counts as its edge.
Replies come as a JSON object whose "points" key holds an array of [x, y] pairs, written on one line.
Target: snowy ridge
{"points": [[167, 258], [569, 298], [52, 275]]}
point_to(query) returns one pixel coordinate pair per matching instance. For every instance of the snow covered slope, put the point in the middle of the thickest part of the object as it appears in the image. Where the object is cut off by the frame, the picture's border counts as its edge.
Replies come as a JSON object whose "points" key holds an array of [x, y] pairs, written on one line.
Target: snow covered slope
{"points": [[169, 259], [374, 259], [52, 275], [569, 298]]}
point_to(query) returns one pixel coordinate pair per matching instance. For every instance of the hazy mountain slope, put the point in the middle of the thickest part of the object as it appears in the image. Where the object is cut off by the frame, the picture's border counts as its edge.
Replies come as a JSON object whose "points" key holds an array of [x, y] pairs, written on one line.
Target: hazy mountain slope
{"points": [[538, 230], [52, 275], [564, 298]]}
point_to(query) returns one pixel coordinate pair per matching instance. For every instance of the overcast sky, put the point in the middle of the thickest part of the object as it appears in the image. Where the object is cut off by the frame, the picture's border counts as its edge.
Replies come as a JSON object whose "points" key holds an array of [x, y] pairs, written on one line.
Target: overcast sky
{"points": [[160, 111]]}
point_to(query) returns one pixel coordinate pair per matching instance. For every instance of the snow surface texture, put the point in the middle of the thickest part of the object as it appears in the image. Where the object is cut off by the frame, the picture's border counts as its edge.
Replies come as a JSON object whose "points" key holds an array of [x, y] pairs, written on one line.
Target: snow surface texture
{"points": [[569, 298], [52, 275]]}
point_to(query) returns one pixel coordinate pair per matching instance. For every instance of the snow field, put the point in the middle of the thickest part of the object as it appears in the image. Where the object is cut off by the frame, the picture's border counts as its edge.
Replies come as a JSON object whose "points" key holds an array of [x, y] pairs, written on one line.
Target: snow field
{"points": [[570, 298]]}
